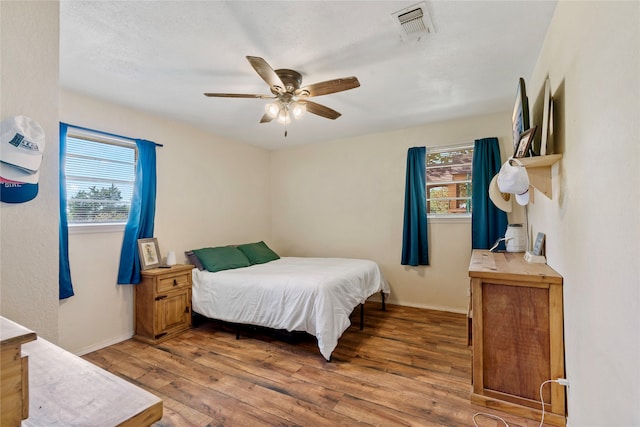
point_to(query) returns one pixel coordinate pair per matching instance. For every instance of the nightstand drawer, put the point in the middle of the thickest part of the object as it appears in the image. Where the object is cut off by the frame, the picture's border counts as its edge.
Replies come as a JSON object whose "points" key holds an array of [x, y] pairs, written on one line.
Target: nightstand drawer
{"points": [[176, 281]]}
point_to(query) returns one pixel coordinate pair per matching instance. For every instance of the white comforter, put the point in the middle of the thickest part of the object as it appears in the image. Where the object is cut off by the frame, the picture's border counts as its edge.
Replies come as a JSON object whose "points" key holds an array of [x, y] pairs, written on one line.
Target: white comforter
{"points": [[315, 295]]}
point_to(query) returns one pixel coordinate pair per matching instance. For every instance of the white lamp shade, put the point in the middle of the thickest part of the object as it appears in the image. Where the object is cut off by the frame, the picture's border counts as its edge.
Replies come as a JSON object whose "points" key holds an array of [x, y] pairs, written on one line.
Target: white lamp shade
{"points": [[272, 109], [284, 117], [298, 109]]}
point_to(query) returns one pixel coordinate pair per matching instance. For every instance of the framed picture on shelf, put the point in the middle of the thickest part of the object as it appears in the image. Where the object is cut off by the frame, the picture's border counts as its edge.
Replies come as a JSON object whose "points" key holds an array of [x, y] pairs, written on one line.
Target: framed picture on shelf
{"points": [[522, 149], [546, 111], [149, 253], [520, 116]]}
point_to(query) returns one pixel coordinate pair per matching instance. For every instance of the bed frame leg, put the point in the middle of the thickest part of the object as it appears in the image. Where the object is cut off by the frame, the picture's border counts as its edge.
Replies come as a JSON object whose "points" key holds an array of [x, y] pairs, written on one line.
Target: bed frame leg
{"points": [[384, 308], [361, 316]]}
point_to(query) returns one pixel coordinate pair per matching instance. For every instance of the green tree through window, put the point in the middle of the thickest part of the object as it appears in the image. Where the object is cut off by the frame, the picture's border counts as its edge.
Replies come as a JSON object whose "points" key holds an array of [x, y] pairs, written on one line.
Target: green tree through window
{"points": [[98, 205], [100, 176]]}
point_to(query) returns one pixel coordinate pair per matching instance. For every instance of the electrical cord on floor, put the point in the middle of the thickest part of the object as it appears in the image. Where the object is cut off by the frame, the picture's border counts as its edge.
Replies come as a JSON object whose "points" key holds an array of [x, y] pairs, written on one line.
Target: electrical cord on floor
{"points": [[561, 381], [487, 415]]}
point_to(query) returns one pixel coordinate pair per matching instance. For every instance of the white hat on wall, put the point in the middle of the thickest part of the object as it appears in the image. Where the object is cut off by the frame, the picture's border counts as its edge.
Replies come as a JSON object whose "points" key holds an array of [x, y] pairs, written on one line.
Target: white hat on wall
{"points": [[21, 150], [513, 179], [500, 199]]}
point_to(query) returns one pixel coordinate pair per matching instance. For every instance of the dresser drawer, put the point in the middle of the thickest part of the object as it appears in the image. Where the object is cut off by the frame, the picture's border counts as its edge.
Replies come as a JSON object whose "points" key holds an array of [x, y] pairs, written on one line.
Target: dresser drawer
{"points": [[167, 283]]}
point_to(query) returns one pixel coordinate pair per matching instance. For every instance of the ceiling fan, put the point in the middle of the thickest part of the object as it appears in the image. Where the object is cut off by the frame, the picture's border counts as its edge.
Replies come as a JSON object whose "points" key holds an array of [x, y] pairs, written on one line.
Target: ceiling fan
{"points": [[291, 99]]}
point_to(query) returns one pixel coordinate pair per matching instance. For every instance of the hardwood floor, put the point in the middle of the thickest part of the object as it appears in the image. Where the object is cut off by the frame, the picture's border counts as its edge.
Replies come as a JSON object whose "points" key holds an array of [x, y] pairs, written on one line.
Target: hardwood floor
{"points": [[408, 367]]}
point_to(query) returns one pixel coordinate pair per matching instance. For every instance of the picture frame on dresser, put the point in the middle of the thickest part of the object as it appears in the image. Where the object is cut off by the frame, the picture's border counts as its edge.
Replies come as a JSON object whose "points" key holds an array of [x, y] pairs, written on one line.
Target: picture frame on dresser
{"points": [[149, 252], [538, 247]]}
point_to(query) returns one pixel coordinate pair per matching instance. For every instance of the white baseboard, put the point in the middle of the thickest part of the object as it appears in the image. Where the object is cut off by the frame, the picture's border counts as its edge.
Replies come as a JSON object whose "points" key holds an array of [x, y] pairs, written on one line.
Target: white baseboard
{"points": [[428, 307], [97, 346]]}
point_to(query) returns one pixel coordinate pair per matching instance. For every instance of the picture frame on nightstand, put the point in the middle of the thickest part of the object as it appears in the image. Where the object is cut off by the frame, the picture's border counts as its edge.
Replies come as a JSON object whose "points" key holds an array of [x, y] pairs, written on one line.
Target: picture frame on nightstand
{"points": [[149, 252]]}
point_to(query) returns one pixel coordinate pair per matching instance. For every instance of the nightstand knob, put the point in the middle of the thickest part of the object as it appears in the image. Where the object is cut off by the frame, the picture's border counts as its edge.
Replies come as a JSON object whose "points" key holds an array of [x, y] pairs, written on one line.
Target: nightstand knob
{"points": [[175, 282]]}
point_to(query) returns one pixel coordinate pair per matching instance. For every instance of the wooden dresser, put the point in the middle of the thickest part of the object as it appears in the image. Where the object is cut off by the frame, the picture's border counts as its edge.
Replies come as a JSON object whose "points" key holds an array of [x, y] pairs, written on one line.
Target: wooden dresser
{"points": [[163, 303], [14, 373], [517, 335], [64, 389]]}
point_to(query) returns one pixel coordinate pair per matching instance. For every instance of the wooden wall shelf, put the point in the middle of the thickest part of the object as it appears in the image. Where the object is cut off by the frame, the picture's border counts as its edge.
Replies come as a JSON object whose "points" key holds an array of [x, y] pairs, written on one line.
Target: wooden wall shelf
{"points": [[539, 171]]}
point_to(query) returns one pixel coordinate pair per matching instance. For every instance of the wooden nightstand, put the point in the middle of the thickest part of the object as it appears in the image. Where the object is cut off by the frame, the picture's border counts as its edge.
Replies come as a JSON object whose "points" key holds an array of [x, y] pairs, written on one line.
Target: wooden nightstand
{"points": [[163, 303]]}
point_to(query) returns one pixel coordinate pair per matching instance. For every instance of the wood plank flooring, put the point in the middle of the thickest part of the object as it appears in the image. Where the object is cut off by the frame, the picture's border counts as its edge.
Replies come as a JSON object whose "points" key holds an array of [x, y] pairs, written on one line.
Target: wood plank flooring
{"points": [[408, 367]]}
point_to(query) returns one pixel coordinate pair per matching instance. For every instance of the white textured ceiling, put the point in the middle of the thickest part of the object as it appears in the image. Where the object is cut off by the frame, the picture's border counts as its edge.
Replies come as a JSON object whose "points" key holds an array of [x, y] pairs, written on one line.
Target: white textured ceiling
{"points": [[161, 56]]}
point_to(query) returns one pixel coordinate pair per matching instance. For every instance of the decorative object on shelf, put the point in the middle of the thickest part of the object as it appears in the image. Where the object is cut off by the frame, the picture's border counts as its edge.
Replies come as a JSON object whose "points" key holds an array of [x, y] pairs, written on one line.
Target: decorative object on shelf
{"points": [[547, 121], [513, 179], [21, 149], [520, 117], [524, 144], [149, 253], [515, 238], [171, 258]]}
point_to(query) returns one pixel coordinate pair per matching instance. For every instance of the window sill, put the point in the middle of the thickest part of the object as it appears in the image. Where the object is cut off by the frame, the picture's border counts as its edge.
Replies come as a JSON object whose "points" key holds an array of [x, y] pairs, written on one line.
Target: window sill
{"points": [[449, 219], [96, 228]]}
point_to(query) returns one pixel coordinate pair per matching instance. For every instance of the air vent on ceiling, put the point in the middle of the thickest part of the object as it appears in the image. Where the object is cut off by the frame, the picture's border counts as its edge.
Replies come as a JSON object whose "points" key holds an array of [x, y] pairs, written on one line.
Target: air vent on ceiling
{"points": [[413, 22]]}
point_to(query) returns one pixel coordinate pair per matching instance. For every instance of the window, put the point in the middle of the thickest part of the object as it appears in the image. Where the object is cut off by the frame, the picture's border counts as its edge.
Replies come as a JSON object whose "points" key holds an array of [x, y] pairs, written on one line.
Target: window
{"points": [[449, 180], [100, 173]]}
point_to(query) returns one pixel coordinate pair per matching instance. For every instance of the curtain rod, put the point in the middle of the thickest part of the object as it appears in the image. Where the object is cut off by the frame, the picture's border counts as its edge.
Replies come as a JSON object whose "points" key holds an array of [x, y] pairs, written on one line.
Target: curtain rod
{"points": [[109, 134]]}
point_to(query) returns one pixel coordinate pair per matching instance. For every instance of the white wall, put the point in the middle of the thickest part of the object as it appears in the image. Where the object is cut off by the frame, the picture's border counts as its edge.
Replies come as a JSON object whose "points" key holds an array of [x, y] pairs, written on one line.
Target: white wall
{"points": [[29, 231], [591, 55], [211, 191], [346, 198]]}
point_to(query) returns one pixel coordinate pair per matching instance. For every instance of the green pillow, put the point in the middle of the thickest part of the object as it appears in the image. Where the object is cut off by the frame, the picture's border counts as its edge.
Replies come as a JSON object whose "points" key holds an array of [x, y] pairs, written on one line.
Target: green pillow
{"points": [[221, 258], [258, 253]]}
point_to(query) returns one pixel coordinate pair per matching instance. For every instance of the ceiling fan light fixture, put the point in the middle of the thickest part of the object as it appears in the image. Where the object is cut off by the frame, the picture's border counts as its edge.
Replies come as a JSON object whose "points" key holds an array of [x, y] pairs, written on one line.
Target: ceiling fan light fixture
{"points": [[284, 117], [298, 109], [289, 99], [272, 109]]}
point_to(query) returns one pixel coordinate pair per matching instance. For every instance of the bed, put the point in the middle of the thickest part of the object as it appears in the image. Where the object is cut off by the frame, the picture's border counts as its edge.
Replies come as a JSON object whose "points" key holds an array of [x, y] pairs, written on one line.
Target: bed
{"points": [[314, 295]]}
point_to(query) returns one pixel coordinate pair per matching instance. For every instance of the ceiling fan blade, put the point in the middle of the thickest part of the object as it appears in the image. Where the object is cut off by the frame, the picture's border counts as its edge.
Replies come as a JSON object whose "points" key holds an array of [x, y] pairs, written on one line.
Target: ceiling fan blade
{"points": [[238, 95], [329, 86], [321, 110], [266, 118], [267, 73]]}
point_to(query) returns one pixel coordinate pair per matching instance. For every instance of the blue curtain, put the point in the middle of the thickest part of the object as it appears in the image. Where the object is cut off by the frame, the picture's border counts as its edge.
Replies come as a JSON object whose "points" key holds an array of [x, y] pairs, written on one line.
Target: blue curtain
{"points": [[64, 272], [141, 215], [415, 248], [488, 223]]}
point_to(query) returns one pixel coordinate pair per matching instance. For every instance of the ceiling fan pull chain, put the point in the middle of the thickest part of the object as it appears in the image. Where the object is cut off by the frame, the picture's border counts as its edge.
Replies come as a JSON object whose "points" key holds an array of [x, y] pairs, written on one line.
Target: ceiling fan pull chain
{"points": [[286, 118]]}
